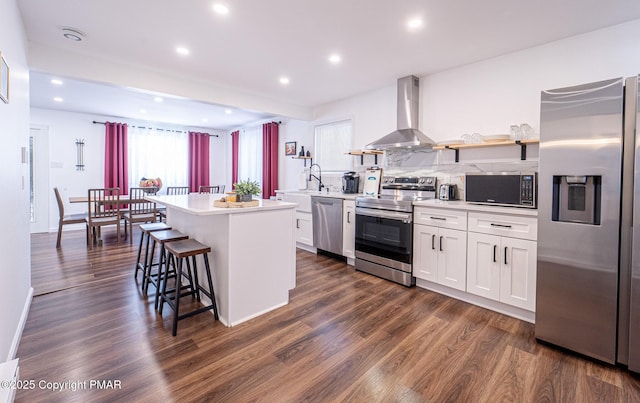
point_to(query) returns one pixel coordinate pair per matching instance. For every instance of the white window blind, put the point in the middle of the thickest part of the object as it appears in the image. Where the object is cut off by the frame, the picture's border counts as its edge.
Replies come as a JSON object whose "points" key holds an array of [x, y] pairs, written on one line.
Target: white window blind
{"points": [[332, 141]]}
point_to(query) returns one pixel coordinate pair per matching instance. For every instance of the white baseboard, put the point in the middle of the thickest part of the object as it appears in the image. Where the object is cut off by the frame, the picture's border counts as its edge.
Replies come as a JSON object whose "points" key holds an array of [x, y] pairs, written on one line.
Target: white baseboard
{"points": [[306, 247], [23, 320], [508, 310]]}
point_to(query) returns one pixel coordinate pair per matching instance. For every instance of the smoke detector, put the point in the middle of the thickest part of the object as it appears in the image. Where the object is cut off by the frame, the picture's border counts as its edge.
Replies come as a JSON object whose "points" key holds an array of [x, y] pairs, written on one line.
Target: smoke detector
{"points": [[72, 34]]}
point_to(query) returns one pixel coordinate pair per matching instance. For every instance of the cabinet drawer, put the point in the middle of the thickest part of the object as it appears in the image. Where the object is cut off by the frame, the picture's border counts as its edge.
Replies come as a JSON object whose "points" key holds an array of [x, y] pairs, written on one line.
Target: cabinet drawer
{"points": [[504, 225], [443, 218]]}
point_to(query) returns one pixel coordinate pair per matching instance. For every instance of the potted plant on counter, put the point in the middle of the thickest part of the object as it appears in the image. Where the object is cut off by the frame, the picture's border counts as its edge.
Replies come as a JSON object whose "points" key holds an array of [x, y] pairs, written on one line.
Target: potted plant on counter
{"points": [[246, 189]]}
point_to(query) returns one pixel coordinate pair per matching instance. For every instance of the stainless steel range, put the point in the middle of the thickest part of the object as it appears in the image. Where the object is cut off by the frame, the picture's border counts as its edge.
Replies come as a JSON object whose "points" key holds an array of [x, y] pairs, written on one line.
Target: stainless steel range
{"points": [[384, 227]]}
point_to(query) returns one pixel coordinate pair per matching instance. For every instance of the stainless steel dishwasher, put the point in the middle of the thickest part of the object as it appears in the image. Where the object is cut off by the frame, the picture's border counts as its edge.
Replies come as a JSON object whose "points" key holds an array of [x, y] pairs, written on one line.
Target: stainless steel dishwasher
{"points": [[327, 223]]}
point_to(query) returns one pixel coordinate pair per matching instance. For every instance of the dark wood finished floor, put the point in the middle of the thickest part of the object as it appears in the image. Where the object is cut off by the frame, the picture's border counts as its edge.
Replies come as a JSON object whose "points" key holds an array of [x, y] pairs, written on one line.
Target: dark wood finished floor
{"points": [[345, 336]]}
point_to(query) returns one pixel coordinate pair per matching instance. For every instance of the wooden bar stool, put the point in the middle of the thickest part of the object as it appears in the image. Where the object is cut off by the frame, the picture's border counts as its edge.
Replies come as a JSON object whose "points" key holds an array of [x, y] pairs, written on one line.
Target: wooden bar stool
{"points": [[163, 237], [145, 229], [181, 251]]}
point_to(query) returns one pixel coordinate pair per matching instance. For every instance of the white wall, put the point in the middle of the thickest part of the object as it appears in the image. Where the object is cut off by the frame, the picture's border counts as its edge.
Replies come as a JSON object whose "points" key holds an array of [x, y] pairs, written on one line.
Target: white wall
{"points": [[66, 127], [488, 96], [289, 168], [15, 269]]}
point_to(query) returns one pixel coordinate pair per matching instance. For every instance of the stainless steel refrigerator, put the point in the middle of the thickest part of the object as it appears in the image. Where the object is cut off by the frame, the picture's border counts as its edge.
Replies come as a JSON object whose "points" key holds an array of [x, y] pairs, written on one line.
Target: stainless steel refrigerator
{"points": [[588, 285]]}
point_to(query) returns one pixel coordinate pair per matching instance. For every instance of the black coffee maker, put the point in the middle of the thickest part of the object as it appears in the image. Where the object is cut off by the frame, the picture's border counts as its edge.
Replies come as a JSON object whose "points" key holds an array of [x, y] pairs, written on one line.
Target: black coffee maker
{"points": [[350, 182]]}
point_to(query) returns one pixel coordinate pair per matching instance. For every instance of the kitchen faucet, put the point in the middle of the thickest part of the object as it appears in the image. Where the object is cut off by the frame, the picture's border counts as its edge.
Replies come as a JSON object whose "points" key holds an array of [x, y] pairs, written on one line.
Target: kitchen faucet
{"points": [[319, 178]]}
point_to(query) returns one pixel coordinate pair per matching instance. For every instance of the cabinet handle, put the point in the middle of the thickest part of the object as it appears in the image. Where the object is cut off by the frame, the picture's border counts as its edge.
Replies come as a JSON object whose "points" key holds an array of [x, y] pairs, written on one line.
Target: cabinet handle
{"points": [[441, 243], [438, 218], [501, 225], [297, 223], [433, 241], [348, 217], [495, 248], [505, 255]]}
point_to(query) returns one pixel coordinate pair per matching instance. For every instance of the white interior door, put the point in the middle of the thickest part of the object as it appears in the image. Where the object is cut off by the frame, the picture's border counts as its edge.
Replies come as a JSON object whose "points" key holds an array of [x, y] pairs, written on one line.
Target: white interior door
{"points": [[39, 178]]}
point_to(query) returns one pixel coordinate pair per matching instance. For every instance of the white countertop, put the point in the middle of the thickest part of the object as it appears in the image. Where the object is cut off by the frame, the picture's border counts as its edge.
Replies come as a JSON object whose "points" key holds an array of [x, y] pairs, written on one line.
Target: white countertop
{"points": [[202, 204], [324, 193], [462, 205]]}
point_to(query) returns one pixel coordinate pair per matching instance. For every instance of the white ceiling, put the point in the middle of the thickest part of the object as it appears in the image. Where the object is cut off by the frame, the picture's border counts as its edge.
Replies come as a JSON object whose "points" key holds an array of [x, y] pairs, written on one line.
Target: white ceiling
{"points": [[259, 41]]}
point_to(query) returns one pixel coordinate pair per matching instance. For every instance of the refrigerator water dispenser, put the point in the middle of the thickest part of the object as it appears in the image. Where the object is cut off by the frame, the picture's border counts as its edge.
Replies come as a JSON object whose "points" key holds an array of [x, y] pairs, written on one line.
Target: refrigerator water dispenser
{"points": [[576, 199]]}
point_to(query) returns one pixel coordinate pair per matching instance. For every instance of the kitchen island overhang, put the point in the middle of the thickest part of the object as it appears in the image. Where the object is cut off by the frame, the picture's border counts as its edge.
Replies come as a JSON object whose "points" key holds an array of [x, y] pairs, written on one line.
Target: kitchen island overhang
{"points": [[253, 251]]}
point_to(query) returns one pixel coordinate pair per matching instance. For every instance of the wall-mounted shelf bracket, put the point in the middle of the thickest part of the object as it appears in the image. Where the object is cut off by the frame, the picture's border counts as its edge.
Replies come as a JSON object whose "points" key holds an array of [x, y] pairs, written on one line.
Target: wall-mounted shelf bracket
{"points": [[305, 160], [523, 150], [457, 151], [362, 153], [521, 143]]}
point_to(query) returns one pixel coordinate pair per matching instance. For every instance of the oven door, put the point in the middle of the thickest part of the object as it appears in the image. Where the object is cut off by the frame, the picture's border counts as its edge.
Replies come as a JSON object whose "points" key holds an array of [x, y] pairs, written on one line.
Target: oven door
{"points": [[384, 234]]}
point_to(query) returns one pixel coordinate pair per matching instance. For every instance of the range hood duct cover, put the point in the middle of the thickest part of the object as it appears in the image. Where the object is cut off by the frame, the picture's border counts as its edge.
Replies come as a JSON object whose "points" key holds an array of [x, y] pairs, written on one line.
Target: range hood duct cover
{"points": [[407, 134]]}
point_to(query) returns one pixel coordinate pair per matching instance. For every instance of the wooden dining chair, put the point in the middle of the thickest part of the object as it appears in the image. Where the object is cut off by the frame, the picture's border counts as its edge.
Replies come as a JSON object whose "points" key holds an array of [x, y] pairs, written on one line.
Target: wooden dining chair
{"points": [[140, 210], [172, 190], [64, 219], [103, 209], [210, 189], [177, 190]]}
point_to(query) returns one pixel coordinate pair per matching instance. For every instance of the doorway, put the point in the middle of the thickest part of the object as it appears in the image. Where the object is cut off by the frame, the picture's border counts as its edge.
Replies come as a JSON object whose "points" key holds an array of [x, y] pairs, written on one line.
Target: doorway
{"points": [[39, 194]]}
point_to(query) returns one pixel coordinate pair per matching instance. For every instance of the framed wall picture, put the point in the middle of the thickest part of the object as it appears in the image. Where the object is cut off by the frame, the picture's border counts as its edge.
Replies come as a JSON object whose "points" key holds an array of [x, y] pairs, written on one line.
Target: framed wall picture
{"points": [[4, 80], [290, 148]]}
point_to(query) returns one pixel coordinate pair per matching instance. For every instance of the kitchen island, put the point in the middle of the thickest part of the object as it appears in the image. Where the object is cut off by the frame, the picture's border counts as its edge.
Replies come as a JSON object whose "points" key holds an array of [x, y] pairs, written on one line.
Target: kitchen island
{"points": [[253, 252]]}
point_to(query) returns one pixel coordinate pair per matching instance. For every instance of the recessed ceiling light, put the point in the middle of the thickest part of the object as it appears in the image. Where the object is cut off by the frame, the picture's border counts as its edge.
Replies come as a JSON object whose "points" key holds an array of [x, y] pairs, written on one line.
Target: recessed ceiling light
{"points": [[221, 9], [414, 23], [284, 80], [228, 111], [182, 51], [335, 58], [143, 111], [205, 120], [58, 99], [158, 99], [55, 81]]}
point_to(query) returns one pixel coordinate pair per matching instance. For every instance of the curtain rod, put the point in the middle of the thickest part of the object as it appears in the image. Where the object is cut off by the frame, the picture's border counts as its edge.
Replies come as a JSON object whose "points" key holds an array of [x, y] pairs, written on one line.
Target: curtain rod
{"points": [[155, 128], [258, 125]]}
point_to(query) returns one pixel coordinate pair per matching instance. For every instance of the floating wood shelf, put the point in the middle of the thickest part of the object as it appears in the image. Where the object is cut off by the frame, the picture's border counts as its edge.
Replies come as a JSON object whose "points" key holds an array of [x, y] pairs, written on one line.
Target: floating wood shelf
{"points": [[305, 158], [362, 153], [458, 147]]}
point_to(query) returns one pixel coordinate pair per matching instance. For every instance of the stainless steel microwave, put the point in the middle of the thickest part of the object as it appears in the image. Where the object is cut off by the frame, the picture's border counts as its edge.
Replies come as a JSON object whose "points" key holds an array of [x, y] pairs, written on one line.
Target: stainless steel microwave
{"points": [[514, 189]]}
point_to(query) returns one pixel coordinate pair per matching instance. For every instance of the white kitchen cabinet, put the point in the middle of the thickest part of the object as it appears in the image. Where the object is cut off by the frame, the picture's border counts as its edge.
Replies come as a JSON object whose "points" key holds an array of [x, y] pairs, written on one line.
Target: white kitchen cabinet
{"points": [[304, 221], [440, 248], [304, 228], [349, 229], [501, 258]]}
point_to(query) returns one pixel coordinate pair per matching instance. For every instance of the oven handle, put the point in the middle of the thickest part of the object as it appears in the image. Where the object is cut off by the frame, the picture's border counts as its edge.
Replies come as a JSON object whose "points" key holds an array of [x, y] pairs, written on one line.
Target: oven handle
{"points": [[392, 215]]}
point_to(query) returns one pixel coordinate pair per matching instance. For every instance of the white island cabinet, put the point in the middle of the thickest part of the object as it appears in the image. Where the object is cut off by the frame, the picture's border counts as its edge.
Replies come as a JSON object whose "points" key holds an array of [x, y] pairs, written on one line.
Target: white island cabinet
{"points": [[253, 251]]}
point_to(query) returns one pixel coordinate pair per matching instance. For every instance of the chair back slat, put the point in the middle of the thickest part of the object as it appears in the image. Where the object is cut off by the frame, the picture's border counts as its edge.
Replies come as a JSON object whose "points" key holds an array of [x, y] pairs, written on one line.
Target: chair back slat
{"points": [[137, 203], [103, 203], [211, 189], [177, 190]]}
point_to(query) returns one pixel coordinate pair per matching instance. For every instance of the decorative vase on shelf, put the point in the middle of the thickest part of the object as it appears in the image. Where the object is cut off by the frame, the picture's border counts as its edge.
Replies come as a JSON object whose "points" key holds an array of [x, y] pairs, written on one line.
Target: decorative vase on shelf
{"points": [[308, 153], [301, 151]]}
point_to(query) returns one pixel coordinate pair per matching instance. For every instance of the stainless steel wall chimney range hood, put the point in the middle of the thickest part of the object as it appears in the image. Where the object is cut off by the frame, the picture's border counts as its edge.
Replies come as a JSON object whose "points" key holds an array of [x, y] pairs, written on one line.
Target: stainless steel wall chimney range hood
{"points": [[407, 134]]}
